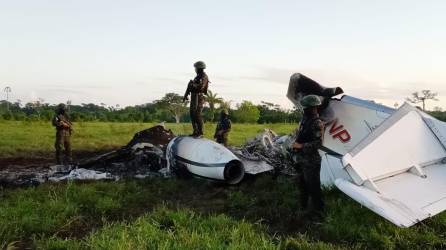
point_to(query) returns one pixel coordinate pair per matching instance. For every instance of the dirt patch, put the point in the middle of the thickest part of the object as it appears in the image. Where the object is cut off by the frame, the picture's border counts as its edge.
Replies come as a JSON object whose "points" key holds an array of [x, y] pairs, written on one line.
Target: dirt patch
{"points": [[30, 162], [23, 162]]}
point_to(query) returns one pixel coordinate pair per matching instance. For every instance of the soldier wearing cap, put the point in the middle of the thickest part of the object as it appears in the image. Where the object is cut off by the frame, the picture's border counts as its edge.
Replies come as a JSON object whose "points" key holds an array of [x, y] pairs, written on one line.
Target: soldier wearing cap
{"points": [[307, 158], [223, 128], [197, 88], [63, 135]]}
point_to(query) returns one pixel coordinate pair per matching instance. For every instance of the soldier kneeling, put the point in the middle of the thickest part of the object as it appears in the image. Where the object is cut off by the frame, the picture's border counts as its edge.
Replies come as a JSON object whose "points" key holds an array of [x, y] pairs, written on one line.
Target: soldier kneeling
{"points": [[223, 128]]}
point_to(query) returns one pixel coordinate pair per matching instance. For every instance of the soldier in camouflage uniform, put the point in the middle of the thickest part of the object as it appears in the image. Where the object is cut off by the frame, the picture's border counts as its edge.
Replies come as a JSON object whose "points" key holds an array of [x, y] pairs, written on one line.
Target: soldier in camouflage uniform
{"points": [[63, 134], [197, 88], [223, 128], [307, 158]]}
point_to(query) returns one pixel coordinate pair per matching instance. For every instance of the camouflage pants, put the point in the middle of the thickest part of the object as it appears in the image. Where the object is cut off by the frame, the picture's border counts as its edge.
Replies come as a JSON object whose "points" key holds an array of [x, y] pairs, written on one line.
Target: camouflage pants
{"points": [[63, 146], [222, 139], [309, 182], [196, 108]]}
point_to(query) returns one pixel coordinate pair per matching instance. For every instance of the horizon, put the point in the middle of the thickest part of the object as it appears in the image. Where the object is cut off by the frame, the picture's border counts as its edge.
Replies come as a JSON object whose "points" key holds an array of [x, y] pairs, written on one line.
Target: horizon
{"points": [[133, 53]]}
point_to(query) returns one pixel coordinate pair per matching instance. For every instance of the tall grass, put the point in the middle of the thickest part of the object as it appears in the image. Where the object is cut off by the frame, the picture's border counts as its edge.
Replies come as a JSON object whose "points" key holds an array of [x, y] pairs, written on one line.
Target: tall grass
{"points": [[36, 139], [261, 213]]}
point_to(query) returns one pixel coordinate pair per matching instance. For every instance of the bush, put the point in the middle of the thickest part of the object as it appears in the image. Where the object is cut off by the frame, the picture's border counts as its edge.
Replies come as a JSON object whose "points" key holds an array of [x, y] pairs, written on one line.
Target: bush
{"points": [[247, 112]]}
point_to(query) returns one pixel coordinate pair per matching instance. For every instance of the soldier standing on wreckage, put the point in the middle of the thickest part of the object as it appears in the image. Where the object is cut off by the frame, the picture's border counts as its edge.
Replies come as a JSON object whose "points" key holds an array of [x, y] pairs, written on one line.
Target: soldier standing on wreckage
{"points": [[223, 128], [197, 88], [307, 158], [63, 133]]}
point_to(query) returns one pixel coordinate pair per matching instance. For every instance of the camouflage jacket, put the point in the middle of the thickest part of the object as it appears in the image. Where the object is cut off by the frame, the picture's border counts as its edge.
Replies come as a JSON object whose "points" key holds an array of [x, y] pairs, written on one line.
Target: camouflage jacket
{"points": [[223, 125], [200, 84], [311, 135], [61, 122]]}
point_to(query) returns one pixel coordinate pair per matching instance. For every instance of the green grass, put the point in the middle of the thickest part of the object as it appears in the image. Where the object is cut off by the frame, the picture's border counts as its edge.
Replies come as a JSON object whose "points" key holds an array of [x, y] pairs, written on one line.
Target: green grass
{"points": [[36, 139], [261, 213], [155, 213]]}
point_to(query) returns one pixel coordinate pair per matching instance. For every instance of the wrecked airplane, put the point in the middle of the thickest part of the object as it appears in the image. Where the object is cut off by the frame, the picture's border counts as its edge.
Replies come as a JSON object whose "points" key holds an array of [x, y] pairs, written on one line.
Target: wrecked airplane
{"points": [[152, 152], [390, 161]]}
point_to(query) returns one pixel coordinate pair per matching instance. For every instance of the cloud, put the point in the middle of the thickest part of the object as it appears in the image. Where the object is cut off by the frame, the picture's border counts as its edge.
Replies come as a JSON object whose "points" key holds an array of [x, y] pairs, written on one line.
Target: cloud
{"points": [[270, 74]]}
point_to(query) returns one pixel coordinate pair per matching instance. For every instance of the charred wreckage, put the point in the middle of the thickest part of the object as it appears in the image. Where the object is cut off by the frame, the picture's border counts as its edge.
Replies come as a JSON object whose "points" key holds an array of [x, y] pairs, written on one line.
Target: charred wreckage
{"points": [[392, 161]]}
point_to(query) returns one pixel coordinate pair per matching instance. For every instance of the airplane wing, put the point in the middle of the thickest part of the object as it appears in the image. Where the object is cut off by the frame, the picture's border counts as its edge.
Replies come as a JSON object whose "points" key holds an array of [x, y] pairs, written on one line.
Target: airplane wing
{"points": [[398, 171], [391, 161]]}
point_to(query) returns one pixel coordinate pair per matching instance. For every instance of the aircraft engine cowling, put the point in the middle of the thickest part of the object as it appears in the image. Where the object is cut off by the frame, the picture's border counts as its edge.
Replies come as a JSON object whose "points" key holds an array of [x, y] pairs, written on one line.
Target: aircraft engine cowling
{"points": [[204, 158]]}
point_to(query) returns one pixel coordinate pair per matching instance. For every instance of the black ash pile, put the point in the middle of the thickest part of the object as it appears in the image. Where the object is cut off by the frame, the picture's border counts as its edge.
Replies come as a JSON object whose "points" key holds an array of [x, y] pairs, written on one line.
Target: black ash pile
{"points": [[143, 156]]}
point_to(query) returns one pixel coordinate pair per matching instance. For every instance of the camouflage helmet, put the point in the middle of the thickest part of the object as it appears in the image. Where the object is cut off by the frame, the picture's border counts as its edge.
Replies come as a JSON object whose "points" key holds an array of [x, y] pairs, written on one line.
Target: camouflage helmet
{"points": [[61, 107], [310, 101], [200, 65], [224, 112]]}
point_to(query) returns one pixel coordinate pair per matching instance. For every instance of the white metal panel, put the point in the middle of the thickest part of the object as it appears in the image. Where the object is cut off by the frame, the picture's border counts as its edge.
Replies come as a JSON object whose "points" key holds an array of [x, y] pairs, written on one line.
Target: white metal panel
{"points": [[418, 193], [404, 199], [350, 123], [404, 143], [216, 173], [202, 157], [390, 209], [399, 169], [204, 151], [438, 128], [331, 169], [256, 167]]}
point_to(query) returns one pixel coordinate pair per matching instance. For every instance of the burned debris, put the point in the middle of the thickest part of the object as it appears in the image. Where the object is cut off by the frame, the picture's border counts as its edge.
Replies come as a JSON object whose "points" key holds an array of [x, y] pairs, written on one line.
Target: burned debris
{"points": [[158, 152]]}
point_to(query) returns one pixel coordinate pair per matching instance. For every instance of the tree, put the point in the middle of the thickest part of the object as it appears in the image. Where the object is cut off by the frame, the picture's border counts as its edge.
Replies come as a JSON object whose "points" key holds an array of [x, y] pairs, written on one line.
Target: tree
{"points": [[422, 97], [174, 104], [246, 112], [271, 113], [438, 109], [212, 100], [8, 92], [226, 105]]}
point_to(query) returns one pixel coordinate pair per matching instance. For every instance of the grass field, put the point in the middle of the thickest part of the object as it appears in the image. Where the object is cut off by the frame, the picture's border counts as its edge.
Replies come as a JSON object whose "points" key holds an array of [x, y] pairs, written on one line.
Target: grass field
{"points": [[36, 139], [154, 213]]}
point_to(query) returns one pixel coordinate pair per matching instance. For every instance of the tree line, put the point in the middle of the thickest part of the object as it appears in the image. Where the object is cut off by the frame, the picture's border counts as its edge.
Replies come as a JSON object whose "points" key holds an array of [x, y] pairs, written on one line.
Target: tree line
{"points": [[170, 108]]}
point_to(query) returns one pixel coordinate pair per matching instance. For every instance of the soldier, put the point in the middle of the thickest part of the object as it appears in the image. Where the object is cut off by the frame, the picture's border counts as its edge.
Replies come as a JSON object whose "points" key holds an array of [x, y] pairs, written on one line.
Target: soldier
{"points": [[308, 160], [197, 88], [223, 128], [63, 134]]}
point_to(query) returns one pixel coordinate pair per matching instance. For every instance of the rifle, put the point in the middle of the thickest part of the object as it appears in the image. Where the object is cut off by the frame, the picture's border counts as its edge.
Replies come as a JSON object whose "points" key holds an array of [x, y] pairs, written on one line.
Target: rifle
{"points": [[65, 123], [188, 91]]}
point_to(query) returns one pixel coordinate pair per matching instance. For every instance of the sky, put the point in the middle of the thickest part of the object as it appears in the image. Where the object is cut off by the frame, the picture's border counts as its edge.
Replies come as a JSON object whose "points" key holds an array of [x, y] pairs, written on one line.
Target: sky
{"points": [[133, 52]]}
